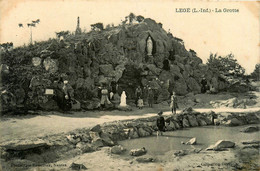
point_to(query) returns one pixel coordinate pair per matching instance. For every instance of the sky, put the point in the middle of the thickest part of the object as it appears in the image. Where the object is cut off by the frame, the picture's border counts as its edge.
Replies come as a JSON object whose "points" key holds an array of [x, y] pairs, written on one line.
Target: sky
{"points": [[206, 33]]}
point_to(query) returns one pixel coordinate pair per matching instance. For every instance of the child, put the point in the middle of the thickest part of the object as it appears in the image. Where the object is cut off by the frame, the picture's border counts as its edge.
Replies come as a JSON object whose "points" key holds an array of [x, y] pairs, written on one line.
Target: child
{"points": [[174, 104], [140, 103], [160, 124]]}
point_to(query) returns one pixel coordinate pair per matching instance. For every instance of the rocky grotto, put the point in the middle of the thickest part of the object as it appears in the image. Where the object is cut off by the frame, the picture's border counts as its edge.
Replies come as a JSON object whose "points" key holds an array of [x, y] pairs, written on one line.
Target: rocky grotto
{"points": [[140, 53]]}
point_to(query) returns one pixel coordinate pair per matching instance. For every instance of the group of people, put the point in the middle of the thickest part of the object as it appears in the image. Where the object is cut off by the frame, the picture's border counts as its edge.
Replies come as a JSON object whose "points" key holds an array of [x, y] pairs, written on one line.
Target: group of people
{"points": [[143, 97], [148, 95]]}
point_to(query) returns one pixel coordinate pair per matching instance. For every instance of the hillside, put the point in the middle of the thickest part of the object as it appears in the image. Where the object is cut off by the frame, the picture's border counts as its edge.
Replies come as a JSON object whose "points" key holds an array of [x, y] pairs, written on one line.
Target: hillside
{"points": [[113, 55]]}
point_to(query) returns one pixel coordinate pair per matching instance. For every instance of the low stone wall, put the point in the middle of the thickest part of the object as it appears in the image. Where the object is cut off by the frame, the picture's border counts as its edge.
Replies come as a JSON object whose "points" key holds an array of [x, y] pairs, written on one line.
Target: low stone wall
{"points": [[66, 145]]}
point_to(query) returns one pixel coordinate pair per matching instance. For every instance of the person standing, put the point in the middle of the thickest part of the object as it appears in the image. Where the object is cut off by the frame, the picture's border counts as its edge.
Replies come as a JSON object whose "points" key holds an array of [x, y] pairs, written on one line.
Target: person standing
{"points": [[204, 85], [67, 90], [150, 97], [138, 94], [140, 103], [160, 122], [174, 104], [145, 94], [104, 97]]}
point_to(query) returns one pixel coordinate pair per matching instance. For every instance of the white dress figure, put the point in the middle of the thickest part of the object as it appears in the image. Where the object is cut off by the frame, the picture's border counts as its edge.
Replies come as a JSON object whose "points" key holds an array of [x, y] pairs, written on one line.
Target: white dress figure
{"points": [[149, 45], [123, 99]]}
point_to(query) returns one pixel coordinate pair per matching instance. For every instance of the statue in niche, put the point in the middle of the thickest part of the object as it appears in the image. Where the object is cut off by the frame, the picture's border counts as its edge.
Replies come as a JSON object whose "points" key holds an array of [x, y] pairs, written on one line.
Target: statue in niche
{"points": [[149, 46]]}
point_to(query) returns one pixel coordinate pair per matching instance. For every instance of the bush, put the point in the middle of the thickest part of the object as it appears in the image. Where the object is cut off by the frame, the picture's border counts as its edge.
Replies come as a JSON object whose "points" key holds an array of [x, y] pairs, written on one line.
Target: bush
{"points": [[256, 73], [225, 65]]}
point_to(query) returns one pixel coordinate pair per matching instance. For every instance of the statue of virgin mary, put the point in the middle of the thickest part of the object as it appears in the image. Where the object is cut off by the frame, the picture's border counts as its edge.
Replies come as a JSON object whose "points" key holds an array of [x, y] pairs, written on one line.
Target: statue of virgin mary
{"points": [[149, 46]]}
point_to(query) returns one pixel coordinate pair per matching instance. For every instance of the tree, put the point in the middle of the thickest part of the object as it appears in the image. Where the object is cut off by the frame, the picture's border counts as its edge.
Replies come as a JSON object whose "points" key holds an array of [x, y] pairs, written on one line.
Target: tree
{"points": [[62, 34], [97, 26], [227, 65], [256, 73]]}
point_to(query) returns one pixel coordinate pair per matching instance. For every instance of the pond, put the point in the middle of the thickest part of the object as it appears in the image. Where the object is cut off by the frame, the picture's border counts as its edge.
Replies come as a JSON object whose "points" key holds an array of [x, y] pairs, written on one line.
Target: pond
{"points": [[206, 136]]}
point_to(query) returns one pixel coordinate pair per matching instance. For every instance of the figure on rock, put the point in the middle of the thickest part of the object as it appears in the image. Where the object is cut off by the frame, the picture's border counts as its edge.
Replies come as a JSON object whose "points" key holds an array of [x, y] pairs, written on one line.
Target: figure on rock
{"points": [[123, 99]]}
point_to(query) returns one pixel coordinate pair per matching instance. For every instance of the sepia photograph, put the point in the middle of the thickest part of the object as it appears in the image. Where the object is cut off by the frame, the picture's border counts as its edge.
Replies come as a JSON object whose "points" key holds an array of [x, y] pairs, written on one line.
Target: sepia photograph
{"points": [[126, 85]]}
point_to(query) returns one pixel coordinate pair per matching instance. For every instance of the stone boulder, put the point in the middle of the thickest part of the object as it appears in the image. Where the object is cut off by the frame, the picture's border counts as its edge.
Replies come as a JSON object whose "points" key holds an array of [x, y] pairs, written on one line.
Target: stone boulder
{"points": [[250, 129], [252, 118], [106, 69], [153, 69], [118, 149], [163, 95], [143, 133], [119, 71], [86, 83], [4, 69], [36, 61], [50, 65], [181, 153], [96, 143], [106, 139], [251, 142], [174, 69], [234, 122], [84, 147], [90, 104], [76, 166], [170, 126], [96, 128], [24, 144], [193, 120], [192, 141], [73, 139], [185, 123], [180, 87], [145, 159], [192, 85], [50, 104], [138, 152], [221, 144]]}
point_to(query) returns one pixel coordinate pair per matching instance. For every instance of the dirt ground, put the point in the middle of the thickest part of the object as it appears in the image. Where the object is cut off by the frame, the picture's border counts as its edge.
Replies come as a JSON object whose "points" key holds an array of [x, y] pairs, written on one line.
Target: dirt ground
{"points": [[104, 160]]}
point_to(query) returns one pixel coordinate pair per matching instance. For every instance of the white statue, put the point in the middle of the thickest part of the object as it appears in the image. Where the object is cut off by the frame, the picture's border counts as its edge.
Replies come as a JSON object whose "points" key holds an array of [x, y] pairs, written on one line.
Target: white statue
{"points": [[123, 99], [149, 46]]}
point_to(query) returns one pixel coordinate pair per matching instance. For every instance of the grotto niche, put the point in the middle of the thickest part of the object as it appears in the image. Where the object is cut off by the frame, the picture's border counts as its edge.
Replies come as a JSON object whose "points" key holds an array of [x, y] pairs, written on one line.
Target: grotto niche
{"points": [[129, 81], [166, 65]]}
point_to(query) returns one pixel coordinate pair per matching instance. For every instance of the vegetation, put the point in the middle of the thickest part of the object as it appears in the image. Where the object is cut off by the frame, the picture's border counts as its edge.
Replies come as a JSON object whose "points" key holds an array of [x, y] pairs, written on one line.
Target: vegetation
{"points": [[97, 26], [256, 73], [225, 65]]}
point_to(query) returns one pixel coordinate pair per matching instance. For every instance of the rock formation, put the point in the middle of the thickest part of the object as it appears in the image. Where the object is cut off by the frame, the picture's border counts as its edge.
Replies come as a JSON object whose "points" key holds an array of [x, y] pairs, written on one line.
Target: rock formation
{"points": [[122, 54]]}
